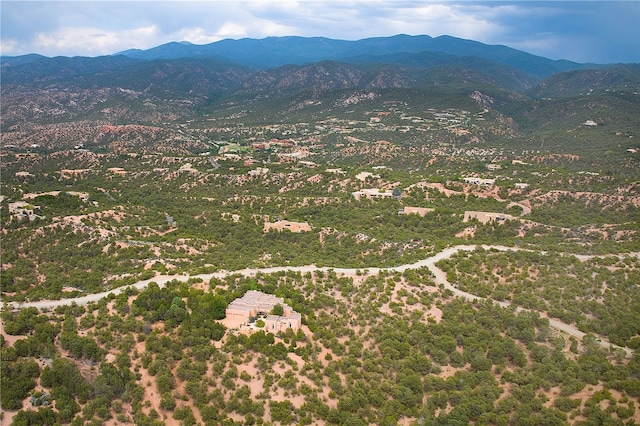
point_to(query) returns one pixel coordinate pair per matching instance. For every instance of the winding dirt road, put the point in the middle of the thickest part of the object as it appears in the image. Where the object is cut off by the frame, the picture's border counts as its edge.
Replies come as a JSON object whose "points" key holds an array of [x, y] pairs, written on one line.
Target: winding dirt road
{"points": [[440, 277]]}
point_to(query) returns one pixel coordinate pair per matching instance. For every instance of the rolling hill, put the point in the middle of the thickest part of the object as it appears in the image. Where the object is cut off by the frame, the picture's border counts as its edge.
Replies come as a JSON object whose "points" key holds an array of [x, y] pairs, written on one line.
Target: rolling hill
{"points": [[277, 75]]}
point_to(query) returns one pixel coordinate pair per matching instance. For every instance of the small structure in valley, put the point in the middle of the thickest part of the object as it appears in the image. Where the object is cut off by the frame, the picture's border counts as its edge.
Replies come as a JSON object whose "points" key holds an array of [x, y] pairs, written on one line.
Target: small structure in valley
{"points": [[479, 181], [256, 303], [372, 193], [487, 217], [420, 211], [260, 171], [21, 209], [282, 225], [363, 176]]}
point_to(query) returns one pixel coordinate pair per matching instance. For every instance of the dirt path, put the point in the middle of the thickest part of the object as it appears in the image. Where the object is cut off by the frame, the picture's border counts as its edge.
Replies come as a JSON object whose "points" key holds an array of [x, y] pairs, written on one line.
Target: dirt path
{"points": [[440, 278]]}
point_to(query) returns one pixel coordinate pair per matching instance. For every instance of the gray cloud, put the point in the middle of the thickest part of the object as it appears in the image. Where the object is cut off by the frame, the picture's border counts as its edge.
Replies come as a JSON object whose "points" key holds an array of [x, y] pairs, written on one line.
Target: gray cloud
{"points": [[584, 31]]}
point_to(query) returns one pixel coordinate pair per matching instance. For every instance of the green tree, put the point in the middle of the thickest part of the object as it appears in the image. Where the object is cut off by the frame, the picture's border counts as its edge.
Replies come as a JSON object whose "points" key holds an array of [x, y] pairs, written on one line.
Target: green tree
{"points": [[277, 310], [282, 412], [16, 381]]}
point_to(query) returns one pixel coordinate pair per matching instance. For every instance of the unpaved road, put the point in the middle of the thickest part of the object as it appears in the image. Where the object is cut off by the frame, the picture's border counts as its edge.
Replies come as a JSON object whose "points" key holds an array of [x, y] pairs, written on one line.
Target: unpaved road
{"points": [[440, 278]]}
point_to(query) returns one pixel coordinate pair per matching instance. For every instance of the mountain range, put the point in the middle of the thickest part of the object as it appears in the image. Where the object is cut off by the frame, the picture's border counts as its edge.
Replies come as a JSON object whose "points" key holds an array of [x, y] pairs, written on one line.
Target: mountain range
{"points": [[277, 51], [180, 78]]}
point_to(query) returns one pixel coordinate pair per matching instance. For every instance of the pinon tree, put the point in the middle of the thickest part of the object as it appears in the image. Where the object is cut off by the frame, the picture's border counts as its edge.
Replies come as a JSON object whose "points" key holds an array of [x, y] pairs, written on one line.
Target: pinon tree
{"points": [[277, 310]]}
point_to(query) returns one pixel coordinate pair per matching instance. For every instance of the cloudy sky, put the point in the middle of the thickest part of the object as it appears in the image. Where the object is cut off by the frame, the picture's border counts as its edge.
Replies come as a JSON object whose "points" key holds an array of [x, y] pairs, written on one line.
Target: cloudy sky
{"points": [[582, 31]]}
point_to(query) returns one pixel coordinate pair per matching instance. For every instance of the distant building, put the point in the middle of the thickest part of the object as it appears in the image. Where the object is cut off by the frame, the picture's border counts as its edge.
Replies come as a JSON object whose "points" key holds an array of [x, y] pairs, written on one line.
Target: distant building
{"points": [[420, 211], [117, 171], [188, 167], [521, 185], [371, 193], [22, 209], [260, 171], [479, 181], [493, 166], [486, 217], [335, 171], [84, 196], [362, 176], [262, 145], [69, 174], [255, 303], [291, 157], [281, 225], [282, 142]]}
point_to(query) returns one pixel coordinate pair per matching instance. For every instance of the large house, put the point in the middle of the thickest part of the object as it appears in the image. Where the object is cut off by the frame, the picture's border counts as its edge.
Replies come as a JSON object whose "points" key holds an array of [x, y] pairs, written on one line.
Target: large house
{"points": [[255, 303]]}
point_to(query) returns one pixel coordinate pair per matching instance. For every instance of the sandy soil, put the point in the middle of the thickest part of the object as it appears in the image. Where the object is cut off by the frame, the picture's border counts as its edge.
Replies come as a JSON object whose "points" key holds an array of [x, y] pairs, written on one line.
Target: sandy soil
{"points": [[430, 263], [257, 380]]}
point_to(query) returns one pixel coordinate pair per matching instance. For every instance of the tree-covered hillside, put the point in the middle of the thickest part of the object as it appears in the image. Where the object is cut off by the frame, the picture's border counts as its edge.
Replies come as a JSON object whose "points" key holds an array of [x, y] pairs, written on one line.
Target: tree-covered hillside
{"points": [[462, 244]]}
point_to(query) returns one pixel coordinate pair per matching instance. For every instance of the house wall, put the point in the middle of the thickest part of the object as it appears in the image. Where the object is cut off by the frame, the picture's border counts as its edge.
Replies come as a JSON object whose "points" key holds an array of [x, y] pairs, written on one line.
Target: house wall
{"points": [[66, 173], [486, 217], [420, 211], [253, 302], [275, 324], [285, 224], [371, 193], [479, 181]]}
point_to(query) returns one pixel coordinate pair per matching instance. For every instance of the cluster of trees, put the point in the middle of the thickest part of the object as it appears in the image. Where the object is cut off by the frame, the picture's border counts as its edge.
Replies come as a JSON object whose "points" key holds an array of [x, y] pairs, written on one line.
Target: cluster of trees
{"points": [[346, 233], [598, 295], [372, 351], [572, 212], [371, 355]]}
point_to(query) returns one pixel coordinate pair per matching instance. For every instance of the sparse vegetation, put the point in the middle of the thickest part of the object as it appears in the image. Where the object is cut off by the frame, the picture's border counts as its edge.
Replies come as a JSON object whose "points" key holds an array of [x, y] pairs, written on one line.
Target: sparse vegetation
{"points": [[171, 193]]}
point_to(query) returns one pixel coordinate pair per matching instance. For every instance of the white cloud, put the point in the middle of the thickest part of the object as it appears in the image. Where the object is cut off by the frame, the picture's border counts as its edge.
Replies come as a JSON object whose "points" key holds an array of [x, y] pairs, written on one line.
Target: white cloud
{"points": [[232, 30], [7, 46], [446, 19], [269, 28], [92, 41], [196, 35]]}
